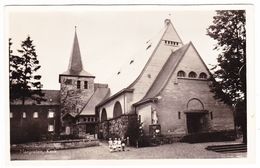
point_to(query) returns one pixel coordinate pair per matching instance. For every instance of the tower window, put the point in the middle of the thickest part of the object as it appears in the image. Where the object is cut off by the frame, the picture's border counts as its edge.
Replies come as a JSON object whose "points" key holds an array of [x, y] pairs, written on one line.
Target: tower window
{"points": [[68, 82], [179, 115], [181, 74], [192, 74], [85, 84], [78, 84]]}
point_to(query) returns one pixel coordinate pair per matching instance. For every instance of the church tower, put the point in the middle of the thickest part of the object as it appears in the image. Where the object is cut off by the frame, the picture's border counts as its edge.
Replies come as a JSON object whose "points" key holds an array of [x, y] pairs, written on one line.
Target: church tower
{"points": [[76, 85]]}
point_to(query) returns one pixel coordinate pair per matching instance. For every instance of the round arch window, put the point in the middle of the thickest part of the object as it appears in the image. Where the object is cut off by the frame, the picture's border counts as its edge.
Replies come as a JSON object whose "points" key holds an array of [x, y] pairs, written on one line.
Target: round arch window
{"points": [[103, 115], [181, 74], [203, 75], [192, 74], [117, 109]]}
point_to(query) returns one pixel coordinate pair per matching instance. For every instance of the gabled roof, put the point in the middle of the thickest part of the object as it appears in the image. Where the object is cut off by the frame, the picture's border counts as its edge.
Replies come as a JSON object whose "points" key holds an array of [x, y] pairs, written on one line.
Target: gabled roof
{"points": [[52, 98], [75, 67], [165, 73], [134, 66], [99, 95]]}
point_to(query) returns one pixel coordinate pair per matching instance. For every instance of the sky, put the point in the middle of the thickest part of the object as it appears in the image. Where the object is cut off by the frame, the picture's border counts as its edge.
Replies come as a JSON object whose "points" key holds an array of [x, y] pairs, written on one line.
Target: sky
{"points": [[108, 36]]}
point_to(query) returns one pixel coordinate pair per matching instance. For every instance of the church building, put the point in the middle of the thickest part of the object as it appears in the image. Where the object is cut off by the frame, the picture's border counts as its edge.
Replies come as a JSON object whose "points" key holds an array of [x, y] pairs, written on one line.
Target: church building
{"points": [[167, 87]]}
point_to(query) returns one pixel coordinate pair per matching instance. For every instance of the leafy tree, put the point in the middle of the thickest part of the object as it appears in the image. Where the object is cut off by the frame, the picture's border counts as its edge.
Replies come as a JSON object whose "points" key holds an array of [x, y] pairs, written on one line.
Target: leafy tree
{"points": [[24, 83], [229, 79]]}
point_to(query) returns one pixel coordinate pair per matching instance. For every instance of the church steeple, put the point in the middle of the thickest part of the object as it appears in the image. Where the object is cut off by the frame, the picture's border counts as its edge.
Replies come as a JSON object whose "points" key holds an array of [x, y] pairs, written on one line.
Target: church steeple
{"points": [[75, 67], [75, 64]]}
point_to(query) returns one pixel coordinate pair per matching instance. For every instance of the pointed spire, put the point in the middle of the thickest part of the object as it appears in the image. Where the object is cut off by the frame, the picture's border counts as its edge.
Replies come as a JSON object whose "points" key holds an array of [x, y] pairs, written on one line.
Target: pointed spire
{"points": [[75, 64]]}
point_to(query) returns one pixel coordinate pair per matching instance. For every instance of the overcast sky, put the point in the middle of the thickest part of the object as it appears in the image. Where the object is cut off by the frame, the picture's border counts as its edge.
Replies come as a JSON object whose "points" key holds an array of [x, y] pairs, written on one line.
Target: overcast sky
{"points": [[107, 36]]}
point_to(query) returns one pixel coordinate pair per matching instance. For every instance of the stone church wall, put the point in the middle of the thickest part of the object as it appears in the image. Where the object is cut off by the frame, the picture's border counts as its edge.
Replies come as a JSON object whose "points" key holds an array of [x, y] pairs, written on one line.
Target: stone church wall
{"points": [[171, 108], [123, 126]]}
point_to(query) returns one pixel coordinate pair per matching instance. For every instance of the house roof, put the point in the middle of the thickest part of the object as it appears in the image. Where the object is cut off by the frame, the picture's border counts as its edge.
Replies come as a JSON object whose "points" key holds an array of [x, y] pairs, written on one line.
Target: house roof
{"points": [[75, 65], [99, 95], [52, 98]]}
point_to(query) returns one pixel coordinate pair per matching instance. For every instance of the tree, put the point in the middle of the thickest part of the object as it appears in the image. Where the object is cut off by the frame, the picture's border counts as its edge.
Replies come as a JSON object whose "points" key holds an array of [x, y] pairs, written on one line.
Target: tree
{"points": [[228, 83], [24, 83]]}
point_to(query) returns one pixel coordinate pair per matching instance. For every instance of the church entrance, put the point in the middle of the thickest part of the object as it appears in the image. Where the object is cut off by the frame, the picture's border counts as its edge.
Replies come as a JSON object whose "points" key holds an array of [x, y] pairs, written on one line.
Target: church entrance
{"points": [[197, 122]]}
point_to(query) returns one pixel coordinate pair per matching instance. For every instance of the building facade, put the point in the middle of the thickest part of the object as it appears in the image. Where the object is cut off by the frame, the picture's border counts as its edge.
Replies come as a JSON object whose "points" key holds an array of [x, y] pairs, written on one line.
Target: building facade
{"points": [[171, 92]]}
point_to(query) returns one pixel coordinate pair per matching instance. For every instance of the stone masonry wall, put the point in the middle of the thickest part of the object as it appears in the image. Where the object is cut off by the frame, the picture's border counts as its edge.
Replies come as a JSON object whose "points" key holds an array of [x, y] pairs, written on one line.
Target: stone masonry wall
{"points": [[72, 98], [123, 126]]}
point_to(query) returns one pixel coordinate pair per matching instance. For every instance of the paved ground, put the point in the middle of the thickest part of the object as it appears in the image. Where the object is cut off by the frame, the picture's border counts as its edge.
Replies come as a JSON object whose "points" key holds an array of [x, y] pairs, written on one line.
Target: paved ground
{"points": [[169, 151]]}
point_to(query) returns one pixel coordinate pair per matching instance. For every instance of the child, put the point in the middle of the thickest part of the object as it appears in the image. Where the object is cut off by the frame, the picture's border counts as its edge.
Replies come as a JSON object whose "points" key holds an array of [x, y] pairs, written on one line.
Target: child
{"points": [[115, 144], [123, 144], [119, 145], [110, 144]]}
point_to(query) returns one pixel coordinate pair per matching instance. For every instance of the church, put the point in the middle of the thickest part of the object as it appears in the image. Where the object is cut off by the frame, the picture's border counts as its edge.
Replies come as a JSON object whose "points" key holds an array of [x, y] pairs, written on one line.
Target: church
{"points": [[165, 88]]}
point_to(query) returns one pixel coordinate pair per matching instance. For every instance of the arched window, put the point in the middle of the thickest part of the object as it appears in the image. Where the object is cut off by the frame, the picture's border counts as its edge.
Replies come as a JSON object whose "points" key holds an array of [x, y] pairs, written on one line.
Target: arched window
{"points": [[203, 75], [192, 74], [181, 74], [103, 115], [117, 110]]}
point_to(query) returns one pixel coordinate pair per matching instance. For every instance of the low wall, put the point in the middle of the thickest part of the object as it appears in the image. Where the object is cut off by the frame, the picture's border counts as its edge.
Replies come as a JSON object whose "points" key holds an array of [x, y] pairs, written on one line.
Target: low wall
{"points": [[54, 145], [122, 126]]}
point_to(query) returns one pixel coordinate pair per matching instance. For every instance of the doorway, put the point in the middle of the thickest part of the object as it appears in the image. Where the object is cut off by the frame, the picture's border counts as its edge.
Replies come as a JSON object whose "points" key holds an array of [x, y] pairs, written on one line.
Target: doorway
{"points": [[197, 122]]}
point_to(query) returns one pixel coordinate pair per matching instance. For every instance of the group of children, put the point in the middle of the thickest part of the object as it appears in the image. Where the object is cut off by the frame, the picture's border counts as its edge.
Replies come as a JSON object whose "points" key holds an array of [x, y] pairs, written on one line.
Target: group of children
{"points": [[116, 145]]}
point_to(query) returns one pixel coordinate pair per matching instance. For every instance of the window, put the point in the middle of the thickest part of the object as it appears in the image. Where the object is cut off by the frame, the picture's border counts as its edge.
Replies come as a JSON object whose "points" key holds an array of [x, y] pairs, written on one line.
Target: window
{"points": [[78, 84], [35, 115], [68, 81], [51, 114], [179, 115], [50, 128], [11, 115], [211, 115], [203, 75], [181, 74], [24, 114], [192, 74], [85, 84]]}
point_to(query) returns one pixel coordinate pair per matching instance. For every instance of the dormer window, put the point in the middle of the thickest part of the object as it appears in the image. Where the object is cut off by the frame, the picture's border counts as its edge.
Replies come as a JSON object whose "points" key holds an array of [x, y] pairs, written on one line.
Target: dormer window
{"points": [[132, 61], [85, 84], [78, 84]]}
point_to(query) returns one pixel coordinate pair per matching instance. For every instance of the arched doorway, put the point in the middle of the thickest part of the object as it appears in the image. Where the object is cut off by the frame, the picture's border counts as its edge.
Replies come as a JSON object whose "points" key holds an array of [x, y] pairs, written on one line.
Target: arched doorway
{"points": [[197, 117], [103, 115], [117, 110]]}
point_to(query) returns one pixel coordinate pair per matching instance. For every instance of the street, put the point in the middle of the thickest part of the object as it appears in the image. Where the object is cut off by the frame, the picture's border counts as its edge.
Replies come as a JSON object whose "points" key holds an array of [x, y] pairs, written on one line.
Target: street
{"points": [[168, 151]]}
